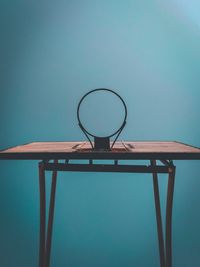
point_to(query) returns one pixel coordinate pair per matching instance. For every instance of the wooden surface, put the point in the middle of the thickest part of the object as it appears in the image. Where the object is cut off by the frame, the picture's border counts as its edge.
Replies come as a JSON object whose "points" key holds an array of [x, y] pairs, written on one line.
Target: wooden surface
{"points": [[121, 150]]}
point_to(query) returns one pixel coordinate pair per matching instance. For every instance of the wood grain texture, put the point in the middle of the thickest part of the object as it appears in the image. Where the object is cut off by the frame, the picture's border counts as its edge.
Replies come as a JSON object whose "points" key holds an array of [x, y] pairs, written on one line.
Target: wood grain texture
{"points": [[121, 150]]}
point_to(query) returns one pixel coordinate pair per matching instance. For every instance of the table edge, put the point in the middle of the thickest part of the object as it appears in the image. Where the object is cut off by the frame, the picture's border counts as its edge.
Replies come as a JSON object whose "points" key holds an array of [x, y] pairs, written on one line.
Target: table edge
{"points": [[102, 156]]}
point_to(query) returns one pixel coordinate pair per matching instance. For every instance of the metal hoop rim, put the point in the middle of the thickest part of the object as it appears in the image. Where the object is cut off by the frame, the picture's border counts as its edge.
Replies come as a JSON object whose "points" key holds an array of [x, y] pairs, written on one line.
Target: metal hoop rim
{"points": [[96, 90]]}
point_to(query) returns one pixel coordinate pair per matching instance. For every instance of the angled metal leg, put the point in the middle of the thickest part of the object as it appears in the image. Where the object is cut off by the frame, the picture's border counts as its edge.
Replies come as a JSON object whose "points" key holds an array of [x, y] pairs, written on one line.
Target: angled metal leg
{"points": [[50, 220], [45, 239], [158, 217], [170, 193], [42, 214], [165, 251]]}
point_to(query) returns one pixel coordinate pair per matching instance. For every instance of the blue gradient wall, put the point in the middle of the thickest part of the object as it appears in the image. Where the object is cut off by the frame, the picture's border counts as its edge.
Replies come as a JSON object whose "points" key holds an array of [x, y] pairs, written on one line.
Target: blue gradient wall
{"points": [[51, 54]]}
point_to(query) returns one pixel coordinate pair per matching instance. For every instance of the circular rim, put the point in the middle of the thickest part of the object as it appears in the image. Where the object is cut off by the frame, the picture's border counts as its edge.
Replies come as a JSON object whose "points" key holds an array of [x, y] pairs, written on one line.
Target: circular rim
{"points": [[95, 90]]}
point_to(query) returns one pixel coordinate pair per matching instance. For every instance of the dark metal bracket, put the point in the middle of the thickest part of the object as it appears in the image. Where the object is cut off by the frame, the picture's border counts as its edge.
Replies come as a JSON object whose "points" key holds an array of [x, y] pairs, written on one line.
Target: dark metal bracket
{"points": [[101, 143]]}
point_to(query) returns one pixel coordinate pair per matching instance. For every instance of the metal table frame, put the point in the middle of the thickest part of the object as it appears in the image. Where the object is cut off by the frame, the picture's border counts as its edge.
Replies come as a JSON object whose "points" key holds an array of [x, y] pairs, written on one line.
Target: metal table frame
{"points": [[59, 156], [165, 247]]}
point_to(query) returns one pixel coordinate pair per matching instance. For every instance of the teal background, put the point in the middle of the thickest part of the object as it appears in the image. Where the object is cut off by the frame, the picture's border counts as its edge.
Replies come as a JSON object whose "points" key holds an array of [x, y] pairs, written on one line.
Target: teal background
{"points": [[52, 52]]}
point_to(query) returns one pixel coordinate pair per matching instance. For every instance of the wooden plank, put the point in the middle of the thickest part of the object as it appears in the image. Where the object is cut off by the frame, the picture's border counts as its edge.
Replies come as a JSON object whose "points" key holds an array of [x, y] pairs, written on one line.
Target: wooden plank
{"points": [[136, 147], [121, 150]]}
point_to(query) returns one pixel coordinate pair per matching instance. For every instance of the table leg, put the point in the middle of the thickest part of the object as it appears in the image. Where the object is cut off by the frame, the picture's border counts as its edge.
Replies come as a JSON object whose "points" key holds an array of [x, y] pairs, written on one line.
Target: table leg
{"points": [[45, 238], [170, 193], [42, 215], [158, 217], [51, 216], [165, 251]]}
